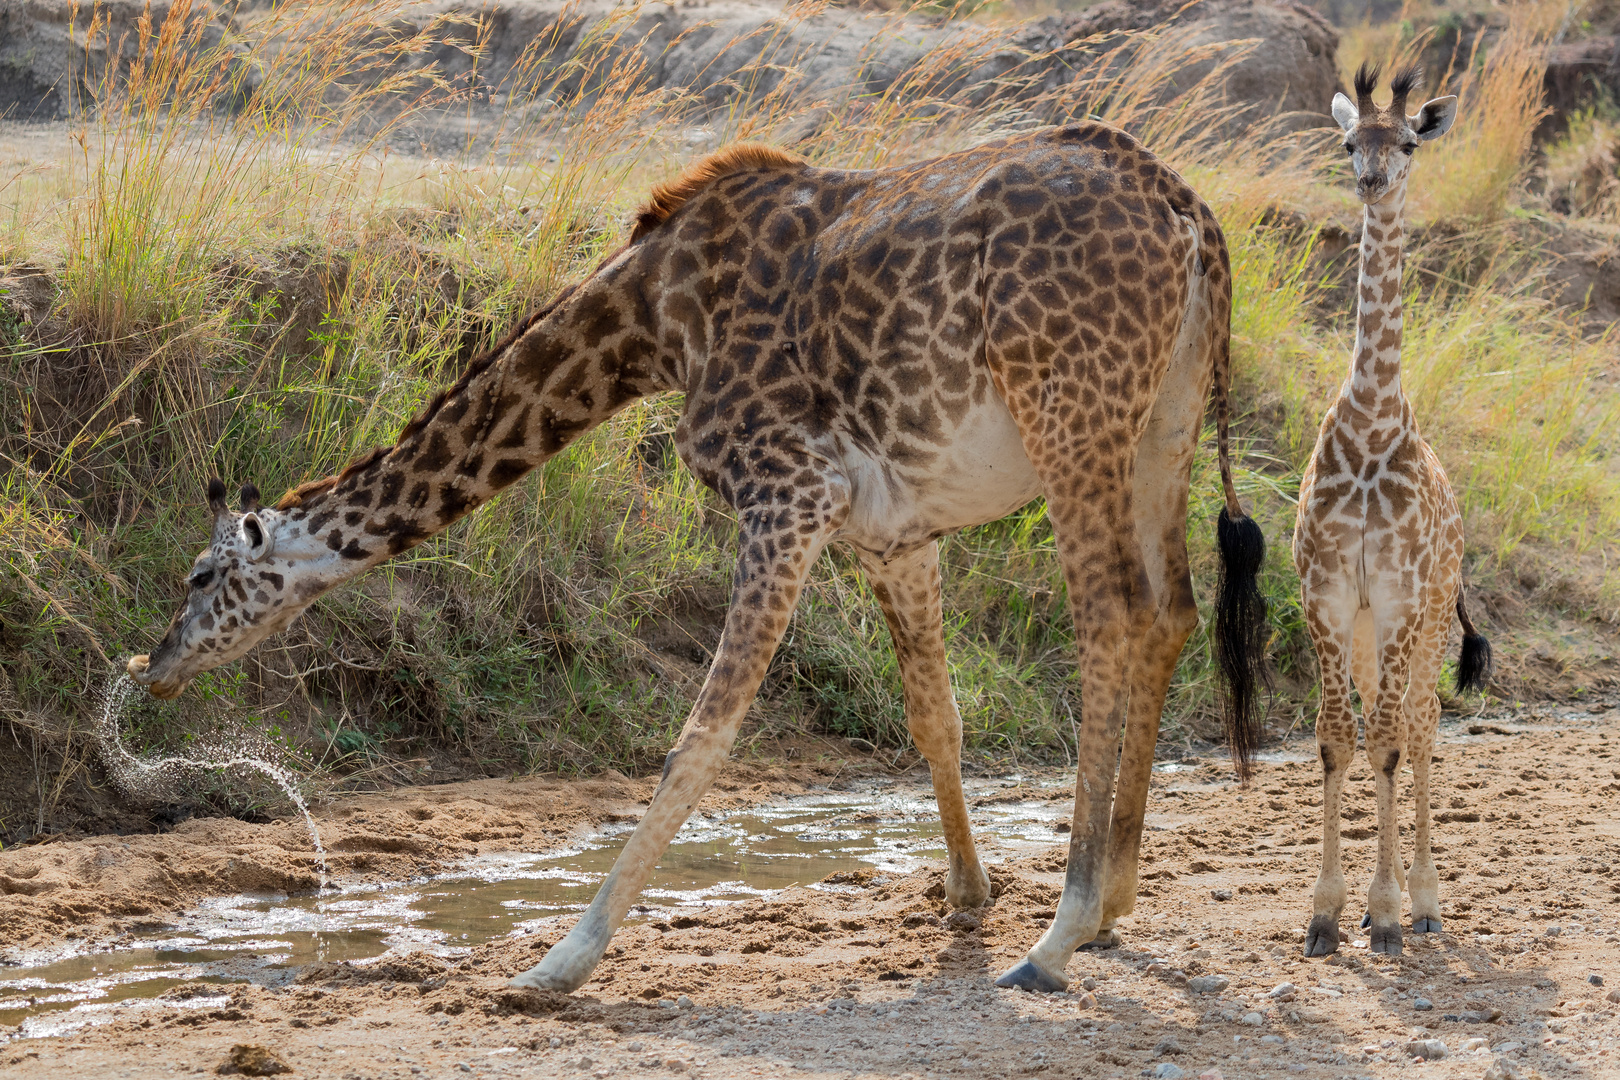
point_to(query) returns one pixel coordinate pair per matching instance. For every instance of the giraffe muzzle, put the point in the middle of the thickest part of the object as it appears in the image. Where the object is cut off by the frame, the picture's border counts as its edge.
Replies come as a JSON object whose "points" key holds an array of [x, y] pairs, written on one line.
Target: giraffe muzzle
{"points": [[140, 669]]}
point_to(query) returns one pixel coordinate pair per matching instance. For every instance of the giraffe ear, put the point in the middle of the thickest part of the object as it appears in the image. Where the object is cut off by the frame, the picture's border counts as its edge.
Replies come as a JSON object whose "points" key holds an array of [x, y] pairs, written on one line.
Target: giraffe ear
{"points": [[1434, 119], [257, 539], [1344, 111]]}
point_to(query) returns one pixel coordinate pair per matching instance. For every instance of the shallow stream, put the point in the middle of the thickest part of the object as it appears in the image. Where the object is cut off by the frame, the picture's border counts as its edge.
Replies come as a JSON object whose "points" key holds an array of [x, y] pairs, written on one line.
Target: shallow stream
{"points": [[715, 859]]}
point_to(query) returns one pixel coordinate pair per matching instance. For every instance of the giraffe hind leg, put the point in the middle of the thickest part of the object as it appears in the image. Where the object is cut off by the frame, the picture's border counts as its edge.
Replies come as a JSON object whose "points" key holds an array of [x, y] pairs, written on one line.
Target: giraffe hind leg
{"points": [[908, 590]]}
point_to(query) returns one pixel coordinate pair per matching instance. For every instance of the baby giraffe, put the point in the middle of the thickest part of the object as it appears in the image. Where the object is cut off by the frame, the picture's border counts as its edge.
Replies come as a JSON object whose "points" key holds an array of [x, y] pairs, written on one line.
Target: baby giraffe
{"points": [[1379, 544]]}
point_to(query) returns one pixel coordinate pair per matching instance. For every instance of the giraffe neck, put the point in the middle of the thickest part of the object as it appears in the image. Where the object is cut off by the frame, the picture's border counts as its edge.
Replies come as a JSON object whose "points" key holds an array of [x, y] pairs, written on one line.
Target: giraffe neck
{"points": [[588, 356], [1375, 370]]}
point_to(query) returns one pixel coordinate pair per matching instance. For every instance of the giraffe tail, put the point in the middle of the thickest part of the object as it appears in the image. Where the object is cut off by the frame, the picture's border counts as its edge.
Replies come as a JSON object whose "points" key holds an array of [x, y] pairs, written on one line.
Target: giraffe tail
{"points": [[1474, 666], [1241, 632]]}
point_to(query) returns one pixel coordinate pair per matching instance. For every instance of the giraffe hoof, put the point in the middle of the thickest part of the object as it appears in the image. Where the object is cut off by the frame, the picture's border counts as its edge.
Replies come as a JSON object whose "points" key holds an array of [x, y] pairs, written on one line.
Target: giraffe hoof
{"points": [[1322, 939], [1426, 926], [973, 891], [1105, 939], [1027, 976], [1366, 920], [1386, 940]]}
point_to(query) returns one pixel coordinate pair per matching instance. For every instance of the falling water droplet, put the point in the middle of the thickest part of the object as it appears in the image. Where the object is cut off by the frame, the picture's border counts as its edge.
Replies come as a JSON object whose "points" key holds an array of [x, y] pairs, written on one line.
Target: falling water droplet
{"points": [[148, 776]]}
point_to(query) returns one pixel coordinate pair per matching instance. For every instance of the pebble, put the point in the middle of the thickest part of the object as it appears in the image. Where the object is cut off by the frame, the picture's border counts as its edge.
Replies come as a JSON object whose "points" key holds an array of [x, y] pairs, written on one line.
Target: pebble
{"points": [[1595, 980], [1283, 992], [1509, 1047], [683, 1002], [1553, 931], [1422, 1004], [1211, 1074], [1254, 1019], [1166, 1070], [1503, 1069], [636, 1047], [1087, 1001], [1613, 995], [1168, 1046], [1427, 1049], [1275, 1040], [555, 1042], [1208, 984], [1222, 894], [1088, 983], [1475, 1043]]}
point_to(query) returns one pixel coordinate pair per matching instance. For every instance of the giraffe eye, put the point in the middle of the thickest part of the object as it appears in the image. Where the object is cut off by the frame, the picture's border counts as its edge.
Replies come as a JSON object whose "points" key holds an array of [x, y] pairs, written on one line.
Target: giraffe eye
{"points": [[1409, 148], [1349, 148], [201, 578]]}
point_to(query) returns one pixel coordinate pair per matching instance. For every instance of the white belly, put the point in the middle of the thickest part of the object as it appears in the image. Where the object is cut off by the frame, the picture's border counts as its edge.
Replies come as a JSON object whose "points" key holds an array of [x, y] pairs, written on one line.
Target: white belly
{"points": [[982, 474]]}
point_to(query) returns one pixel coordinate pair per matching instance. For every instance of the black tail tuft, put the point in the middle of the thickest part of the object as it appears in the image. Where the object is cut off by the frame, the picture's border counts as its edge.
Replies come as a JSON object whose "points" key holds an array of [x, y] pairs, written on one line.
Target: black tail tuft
{"points": [[1241, 634], [1474, 667]]}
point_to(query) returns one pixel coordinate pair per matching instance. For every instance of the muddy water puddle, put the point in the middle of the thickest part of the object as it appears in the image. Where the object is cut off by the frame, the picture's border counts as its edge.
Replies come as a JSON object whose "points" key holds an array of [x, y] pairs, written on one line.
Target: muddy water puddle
{"points": [[716, 859]]}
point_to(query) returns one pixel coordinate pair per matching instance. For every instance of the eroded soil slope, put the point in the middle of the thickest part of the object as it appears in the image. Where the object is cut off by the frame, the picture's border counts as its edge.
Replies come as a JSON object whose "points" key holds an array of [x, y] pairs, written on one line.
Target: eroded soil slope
{"points": [[871, 975]]}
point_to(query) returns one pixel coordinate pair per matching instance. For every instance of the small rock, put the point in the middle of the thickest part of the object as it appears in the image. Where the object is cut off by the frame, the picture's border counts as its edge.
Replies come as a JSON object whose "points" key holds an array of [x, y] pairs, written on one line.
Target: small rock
{"points": [[683, 1002], [1283, 992], [1509, 1047], [1166, 1070], [555, 1042], [1211, 1074], [1427, 1049], [1274, 1040], [1088, 983], [1553, 931], [1168, 1046], [1503, 1069], [1595, 980], [1087, 1000], [1481, 1016], [247, 1059], [1222, 894], [1208, 984], [636, 1047], [1475, 1043], [1422, 1004], [1613, 995], [1253, 1019]]}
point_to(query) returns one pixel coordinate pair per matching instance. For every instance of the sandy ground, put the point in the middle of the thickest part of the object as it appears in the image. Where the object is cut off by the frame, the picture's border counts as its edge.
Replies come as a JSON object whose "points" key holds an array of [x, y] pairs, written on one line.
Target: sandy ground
{"points": [[866, 975]]}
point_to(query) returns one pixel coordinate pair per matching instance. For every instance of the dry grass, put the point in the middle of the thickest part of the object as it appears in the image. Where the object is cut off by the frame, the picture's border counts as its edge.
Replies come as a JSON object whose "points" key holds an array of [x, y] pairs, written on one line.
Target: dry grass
{"points": [[566, 625]]}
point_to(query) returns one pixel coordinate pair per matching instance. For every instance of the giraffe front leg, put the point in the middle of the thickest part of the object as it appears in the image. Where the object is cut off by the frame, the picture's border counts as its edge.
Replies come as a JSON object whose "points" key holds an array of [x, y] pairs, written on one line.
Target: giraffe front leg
{"points": [[1386, 746], [908, 590], [1330, 615], [778, 545]]}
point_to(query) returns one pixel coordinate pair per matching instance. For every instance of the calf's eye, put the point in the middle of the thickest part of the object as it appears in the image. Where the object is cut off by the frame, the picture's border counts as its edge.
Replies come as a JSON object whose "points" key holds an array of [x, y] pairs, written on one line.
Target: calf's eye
{"points": [[201, 578]]}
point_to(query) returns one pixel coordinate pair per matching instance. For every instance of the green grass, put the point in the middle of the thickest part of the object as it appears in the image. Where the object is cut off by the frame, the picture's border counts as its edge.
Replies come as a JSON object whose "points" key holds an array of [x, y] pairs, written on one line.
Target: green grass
{"points": [[566, 626]]}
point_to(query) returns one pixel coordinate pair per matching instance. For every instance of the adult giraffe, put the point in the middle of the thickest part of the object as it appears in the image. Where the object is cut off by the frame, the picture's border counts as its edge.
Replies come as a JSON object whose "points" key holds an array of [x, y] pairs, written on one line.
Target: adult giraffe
{"points": [[1379, 543], [881, 357]]}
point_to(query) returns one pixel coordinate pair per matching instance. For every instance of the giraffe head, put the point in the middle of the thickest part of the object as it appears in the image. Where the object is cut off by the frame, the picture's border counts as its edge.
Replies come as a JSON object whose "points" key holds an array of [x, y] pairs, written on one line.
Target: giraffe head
{"points": [[1381, 142], [240, 590]]}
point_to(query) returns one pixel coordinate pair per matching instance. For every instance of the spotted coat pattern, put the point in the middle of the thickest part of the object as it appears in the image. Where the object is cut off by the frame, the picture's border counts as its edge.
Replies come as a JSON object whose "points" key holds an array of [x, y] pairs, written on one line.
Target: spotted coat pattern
{"points": [[879, 358], [1378, 543]]}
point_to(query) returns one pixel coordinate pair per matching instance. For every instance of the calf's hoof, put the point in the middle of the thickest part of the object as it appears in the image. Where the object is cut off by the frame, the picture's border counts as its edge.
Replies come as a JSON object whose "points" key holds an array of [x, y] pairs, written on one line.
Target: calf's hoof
{"points": [[1322, 939], [1386, 940], [1027, 976], [1426, 925]]}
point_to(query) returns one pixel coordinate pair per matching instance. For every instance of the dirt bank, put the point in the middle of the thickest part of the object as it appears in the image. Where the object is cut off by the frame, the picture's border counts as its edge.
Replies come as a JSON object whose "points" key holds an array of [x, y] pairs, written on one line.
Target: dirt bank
{"points": [[871, 975]]}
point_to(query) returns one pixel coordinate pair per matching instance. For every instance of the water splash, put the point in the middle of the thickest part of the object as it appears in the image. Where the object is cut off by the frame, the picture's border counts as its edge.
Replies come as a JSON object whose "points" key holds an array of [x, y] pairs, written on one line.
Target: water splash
{"points": [[146, 777]]}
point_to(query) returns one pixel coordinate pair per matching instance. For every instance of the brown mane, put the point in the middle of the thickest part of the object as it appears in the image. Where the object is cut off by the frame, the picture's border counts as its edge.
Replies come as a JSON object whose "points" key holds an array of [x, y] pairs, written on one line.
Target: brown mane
{"points": [[738, 157]]}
